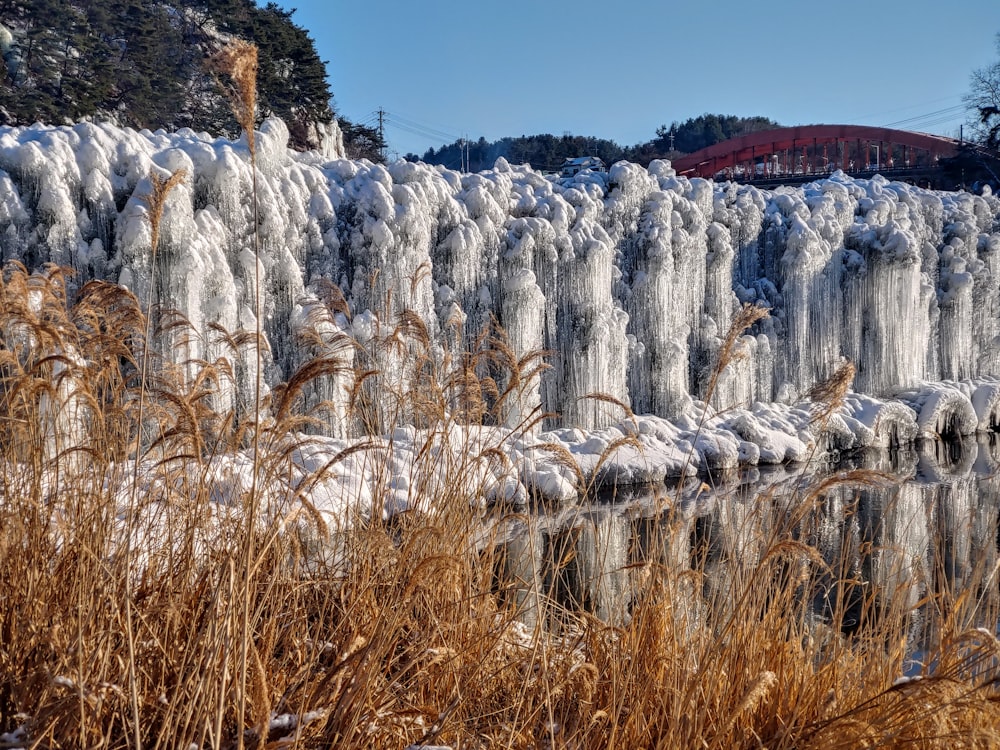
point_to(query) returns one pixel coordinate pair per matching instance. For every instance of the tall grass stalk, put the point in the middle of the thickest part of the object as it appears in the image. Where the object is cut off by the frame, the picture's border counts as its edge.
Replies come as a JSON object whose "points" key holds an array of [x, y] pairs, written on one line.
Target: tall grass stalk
{"points": [[742, 321], [238, 61], [156, 202]]}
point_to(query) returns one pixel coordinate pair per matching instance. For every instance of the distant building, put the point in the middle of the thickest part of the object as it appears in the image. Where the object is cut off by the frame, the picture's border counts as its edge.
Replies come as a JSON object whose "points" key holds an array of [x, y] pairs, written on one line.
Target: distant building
{"points": [[571, 167]]}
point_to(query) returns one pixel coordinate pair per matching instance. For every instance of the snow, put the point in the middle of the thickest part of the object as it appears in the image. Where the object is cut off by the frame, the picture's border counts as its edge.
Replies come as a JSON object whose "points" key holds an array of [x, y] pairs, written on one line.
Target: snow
{"points": [[16, 739], [410, 469], [629, 279]]}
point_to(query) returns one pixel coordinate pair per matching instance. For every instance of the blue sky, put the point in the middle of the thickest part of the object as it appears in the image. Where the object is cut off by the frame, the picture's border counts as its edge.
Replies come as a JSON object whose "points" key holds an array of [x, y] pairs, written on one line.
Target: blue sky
{"points": [[618, 70]]}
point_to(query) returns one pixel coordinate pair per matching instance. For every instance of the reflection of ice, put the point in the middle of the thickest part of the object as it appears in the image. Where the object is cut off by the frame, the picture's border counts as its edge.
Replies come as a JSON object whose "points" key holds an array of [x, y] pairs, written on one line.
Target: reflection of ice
{"points": [[596, 574], [928, 527]]}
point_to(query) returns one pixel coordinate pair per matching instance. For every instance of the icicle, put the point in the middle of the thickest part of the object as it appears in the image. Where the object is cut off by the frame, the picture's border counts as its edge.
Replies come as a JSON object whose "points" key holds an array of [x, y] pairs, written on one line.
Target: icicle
{"points": [[629, 278]]}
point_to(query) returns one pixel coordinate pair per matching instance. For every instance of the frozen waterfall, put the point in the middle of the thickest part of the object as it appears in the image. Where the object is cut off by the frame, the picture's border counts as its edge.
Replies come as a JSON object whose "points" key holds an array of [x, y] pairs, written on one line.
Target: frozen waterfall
{"points": [[628, 279]]}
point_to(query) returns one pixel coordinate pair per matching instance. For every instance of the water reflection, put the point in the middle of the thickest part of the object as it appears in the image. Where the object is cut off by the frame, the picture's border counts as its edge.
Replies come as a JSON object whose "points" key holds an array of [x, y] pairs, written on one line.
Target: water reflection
{"points": [[890, 532]]}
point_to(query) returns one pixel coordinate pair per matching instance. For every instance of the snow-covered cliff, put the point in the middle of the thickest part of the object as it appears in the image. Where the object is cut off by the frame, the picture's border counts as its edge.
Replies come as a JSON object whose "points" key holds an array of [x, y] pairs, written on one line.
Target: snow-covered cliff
{"points": [[628, 278]]}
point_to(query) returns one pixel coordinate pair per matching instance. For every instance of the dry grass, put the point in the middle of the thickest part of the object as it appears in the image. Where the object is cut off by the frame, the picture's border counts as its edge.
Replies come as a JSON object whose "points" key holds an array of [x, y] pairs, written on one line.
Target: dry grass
{"points": [[237, 61], [145, 602], [828, 395], [386, 634], [742, 321]]}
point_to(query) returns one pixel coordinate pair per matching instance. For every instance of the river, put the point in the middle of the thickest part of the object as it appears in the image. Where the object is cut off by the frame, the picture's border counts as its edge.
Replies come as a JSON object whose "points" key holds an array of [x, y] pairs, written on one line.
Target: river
{"points": [[912, 530]]}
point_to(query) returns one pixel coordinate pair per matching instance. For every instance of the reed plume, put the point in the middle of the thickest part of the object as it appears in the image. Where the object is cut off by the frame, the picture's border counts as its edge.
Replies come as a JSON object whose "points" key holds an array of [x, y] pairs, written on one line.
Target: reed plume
{"points": [[238, 61], [828, 395], [746, 317], [156, 201]]}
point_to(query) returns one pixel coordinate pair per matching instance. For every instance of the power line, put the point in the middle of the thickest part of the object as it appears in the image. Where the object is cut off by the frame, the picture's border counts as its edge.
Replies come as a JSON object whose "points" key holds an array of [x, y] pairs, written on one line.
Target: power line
{"points": [[422, 126], [938, 121], [421, 132], [382, 118], [381, 132], [415, 131], [418, 120], [857, 120], [404, 122], [947, 112]]}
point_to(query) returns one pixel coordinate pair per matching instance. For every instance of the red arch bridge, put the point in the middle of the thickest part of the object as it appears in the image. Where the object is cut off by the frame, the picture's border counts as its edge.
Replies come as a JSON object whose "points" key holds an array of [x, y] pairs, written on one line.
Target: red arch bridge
{"points": [[790, 153]]}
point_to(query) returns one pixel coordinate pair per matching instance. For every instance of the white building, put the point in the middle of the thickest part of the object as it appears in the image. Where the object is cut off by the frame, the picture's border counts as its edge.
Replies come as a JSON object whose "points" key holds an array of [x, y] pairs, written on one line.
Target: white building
{"points": [[571, 167]]}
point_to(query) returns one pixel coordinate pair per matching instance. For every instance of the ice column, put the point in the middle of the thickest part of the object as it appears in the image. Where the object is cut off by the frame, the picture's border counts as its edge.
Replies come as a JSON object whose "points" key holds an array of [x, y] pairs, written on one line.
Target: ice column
{"points": [[592, 344], [887, 309], [658, 321]]}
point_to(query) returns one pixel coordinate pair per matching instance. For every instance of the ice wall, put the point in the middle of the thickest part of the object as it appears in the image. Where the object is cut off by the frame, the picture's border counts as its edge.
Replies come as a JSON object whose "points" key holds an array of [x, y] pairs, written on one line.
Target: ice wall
{"points": [[629, 279]]}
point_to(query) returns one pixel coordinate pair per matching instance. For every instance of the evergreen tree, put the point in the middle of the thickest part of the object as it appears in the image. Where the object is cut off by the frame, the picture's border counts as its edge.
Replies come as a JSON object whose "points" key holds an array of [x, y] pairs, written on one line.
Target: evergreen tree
{"points": [[141, 62], [291, 77], [36, 82], [150, 79], [361, 141], [706, 130]]}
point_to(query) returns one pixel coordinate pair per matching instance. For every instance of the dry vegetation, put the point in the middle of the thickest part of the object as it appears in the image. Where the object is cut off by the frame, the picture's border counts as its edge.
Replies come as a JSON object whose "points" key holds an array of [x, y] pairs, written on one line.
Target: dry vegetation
{"points": [[138, 607], [402, 632]]}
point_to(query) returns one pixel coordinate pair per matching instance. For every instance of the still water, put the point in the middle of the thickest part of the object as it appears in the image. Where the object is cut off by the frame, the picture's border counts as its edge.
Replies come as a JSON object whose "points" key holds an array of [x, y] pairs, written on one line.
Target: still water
{"points": [[904, 527]]}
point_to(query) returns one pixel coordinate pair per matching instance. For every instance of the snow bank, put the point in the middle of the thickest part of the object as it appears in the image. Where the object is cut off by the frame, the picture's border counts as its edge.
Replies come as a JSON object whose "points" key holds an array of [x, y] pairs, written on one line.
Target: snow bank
{"points": [[413, 469]]}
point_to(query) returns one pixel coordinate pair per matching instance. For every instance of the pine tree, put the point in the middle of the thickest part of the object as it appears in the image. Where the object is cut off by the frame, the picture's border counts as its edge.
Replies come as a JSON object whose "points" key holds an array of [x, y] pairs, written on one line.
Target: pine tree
{"points": [[141, 62]]}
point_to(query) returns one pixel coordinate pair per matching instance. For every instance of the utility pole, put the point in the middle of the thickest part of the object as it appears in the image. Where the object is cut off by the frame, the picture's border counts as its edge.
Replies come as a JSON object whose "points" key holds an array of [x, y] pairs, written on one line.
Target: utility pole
{"points": [[381, 133]]}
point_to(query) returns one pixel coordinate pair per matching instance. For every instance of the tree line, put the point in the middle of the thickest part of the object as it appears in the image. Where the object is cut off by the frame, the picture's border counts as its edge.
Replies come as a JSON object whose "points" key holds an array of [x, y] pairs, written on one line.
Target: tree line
{"points": [[140, 62], [547, 152]]}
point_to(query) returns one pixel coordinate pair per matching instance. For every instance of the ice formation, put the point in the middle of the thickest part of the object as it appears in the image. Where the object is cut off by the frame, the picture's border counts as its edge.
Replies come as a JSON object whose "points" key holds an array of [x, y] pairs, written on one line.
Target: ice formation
{"points": [[629, 279]]}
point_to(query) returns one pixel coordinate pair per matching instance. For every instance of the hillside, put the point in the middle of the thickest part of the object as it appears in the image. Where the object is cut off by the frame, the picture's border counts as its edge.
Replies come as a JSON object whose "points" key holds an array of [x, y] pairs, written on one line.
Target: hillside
{"points": [[140, 64], [546, 152]]}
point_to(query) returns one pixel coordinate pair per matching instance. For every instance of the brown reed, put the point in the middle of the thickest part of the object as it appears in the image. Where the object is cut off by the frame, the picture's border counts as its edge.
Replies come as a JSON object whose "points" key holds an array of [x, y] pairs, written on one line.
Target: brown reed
{"points": [[237, 60], [255, 619], [384, 634]]}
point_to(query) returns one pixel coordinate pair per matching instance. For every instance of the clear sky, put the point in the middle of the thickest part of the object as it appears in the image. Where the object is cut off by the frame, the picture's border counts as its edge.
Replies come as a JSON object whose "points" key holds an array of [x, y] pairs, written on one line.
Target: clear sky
{"points": [[618, 69]]}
